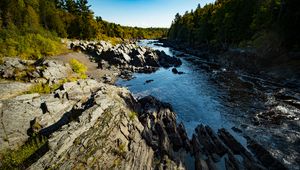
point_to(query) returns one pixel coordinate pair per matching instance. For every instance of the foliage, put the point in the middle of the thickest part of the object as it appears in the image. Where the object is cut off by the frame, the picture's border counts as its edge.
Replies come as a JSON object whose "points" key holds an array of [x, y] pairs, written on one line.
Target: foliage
{"points": [[230, 22], [132, 115], [120, 150], [13, 159], [28, 45], [46, 88], [28, 29], [40, 88], [79, 68], [106, 29]]}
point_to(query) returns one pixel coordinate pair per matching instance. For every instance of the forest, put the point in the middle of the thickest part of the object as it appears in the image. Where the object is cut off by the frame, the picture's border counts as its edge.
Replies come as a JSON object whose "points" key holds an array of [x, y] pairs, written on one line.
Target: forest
{"points": [[33, 28], [240, 23]]}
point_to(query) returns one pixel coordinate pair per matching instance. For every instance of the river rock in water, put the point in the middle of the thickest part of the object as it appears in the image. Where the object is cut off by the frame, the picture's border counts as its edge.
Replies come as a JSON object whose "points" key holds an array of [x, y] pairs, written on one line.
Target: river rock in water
{"points": [[126, 56]]}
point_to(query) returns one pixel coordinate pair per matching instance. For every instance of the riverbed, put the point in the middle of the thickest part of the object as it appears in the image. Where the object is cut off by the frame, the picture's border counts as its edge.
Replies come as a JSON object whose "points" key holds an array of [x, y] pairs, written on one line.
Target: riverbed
{"points": [[223, 98]]}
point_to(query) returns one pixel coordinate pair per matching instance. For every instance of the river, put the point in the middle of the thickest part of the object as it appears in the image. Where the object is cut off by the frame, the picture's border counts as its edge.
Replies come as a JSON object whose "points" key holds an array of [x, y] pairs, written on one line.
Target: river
{"points": [[221, 99]]}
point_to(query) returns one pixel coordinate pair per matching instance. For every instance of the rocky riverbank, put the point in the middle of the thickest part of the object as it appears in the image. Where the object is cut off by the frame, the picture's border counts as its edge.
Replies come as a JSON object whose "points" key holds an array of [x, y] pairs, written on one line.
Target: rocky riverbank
{"points": [[85, 123], [281, 66], [128, 58]]}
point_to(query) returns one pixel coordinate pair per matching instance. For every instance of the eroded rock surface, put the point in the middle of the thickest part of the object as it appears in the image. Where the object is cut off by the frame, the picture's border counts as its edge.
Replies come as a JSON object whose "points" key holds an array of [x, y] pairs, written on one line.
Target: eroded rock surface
{"points": [[128, 56], [92, 125], [20, 112], [40, 71]]}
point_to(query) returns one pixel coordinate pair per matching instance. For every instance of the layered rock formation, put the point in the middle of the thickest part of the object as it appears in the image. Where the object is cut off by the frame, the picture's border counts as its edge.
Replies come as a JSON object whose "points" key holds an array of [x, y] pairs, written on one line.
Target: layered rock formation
{"points": [[93, 125], [128, 57], [40, 71]]}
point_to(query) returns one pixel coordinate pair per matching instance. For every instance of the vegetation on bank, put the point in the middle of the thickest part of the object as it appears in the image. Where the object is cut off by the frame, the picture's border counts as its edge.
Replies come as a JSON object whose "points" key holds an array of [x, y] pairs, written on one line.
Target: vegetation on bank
{"points": [[14, 159], [258, 23], [78, 68], [28, 44], [44, 88], [30, 29]]}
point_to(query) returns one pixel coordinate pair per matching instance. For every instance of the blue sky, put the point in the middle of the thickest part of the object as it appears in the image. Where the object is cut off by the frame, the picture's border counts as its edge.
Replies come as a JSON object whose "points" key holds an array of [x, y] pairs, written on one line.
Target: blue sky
{"points": [[143, 13]]}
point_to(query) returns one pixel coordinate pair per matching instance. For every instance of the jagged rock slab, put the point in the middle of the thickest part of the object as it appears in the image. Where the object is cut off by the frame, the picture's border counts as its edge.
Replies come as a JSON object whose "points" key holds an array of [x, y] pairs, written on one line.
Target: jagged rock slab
{"points": [[11, 89]]}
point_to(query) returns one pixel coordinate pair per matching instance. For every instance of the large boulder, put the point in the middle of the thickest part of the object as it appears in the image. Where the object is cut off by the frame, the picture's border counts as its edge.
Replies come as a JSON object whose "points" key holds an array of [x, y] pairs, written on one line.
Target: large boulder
{"points": [[15, 68], [138, 60], [34, 71], [16, 117], [151, 59], [161, 131], [56, 70], [49, 111], [11, 89], [167, 61], [115, 57]]}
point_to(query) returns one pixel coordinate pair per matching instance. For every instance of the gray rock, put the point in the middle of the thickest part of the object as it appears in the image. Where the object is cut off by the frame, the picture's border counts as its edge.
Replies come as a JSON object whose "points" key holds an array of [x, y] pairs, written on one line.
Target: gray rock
{"points": [[107, 79], [56, 70], [10, 89], [104, 134], [15, 119], [27, 97], [81, 90]]}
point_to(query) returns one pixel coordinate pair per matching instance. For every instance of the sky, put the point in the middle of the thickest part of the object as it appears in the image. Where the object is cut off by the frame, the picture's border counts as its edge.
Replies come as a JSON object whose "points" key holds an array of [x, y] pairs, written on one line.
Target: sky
{"points": [[143, 13]]}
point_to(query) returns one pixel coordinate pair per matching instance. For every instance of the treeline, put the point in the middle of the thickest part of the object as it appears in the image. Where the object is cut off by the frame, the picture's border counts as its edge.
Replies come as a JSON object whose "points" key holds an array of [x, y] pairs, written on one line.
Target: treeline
{"points": [[30, 28], [241, 23], [116, 30], [66, 18]]}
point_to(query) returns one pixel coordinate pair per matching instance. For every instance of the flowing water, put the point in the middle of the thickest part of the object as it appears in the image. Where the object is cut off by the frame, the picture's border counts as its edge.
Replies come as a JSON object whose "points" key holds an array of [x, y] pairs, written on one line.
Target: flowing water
{"points": [[221, 99]]}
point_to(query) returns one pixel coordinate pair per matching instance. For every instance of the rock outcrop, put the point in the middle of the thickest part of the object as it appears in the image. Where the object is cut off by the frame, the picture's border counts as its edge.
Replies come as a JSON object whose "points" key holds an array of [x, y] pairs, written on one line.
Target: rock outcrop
{"points": [[10, 89], [40, 71], [93, 125], [49, 111], [128, 56], [107, 134]]}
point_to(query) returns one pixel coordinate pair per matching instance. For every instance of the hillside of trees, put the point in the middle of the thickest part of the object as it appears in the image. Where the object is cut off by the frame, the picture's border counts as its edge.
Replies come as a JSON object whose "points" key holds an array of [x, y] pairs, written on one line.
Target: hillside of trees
{"points": [[241, 23], [33, 28]]}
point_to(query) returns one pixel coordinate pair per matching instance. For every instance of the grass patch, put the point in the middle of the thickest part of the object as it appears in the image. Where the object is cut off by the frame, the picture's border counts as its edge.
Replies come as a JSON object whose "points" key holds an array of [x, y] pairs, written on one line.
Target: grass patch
{"points": [[40, 88], [120, 150], [13, 159], [46, 88], [20, 75], [117, 163], [132, 115], [78, 68], [113, 40]]}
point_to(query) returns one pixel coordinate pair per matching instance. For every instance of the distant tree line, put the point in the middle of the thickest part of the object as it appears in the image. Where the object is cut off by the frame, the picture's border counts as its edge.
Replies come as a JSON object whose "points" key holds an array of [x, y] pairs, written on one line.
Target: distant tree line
{"points": [[66, 18], [116, 30], [32, 29], [240, 22]]}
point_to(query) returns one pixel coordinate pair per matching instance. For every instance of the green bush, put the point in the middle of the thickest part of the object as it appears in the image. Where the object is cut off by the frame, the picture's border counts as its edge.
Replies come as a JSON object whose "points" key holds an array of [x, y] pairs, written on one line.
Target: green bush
{"points": [[29, 45], [132, 115], [13, 159], [45, 88], [40, 88], [79, 68]]}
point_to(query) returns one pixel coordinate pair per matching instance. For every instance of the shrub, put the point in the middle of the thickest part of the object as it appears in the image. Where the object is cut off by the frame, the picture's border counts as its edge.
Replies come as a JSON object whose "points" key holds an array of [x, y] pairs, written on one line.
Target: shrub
{"points": [[132, 115], [14, 159], [40, 88], [79, 68], [45, 88], [29, 45], [120, 150]]}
